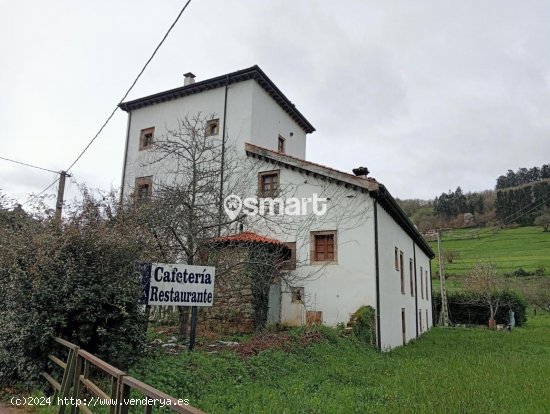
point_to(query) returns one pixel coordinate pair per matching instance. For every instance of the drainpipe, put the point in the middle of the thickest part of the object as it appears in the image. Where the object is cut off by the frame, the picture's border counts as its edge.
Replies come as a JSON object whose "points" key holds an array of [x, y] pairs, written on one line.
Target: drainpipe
{"points": [[431, 290], [220, 208], [377, 265], [415, 289], [125, 156]]}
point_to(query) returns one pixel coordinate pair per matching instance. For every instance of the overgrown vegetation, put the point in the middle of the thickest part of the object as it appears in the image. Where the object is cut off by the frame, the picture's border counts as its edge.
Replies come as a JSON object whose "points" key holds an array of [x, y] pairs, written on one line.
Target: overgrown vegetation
{"points": [[487, 372], [79, 283], [470, 309], [363, 323]]}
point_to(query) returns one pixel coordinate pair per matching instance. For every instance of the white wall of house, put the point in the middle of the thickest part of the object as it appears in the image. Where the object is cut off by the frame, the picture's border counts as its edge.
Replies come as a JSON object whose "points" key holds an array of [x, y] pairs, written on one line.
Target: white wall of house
{"points": [[425, 297], [392, 300], [252, 116], [336, 289], [269, 121]]}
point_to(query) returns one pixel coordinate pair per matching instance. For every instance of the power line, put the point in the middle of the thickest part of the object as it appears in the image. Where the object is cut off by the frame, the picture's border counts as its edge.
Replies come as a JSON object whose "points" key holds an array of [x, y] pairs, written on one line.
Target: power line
{"points": [[41, 192], [131, 86], [27, 165], [116, 107]]}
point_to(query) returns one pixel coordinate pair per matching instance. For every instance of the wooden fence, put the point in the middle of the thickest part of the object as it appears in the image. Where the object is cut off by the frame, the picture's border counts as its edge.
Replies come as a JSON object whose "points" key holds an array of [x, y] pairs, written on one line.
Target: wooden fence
{"points": [[76, 378]]}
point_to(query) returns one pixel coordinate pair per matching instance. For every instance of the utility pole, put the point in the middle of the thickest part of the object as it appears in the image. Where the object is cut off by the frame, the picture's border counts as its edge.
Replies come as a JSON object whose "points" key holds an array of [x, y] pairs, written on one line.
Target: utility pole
{"points": [[60, 194], [444, 315]]}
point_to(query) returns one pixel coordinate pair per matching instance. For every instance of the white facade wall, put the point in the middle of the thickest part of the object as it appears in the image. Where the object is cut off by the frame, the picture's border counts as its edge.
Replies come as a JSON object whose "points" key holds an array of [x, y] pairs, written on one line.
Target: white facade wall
{"points": [[269, 121], [339, 289], [392, 300], [252, 116], [425, 299]]}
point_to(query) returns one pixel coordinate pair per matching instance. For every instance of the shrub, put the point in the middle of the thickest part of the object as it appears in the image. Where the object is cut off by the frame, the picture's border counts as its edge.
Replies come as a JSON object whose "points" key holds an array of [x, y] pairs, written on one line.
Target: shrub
{"points": [[464, 308], [363, 322], [80, 283]]}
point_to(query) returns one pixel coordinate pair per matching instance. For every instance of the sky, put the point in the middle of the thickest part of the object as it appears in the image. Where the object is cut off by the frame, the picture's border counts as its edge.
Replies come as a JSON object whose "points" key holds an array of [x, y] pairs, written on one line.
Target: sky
{"points": [[429, 95]]}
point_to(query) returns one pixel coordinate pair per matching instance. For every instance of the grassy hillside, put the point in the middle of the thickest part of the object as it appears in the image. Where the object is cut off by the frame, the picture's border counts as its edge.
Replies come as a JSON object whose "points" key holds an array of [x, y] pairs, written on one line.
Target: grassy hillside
{"points": [[448, 370], [509, 249]]}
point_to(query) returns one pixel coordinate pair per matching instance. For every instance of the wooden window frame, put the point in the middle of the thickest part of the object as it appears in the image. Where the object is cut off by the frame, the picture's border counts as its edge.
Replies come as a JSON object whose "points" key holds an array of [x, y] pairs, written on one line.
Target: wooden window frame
{"points": [[141, 182], [313, 253], [272, 192], [421, 283], [142, 136], [427, 286], [411, 276], [402, 271], [281, 143], [396, 258], [404, 325], [209, 124]]}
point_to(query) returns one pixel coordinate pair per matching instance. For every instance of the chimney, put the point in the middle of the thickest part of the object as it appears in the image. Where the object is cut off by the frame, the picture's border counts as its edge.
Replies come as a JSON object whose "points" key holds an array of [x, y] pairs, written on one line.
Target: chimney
{"points": [[361, 172], [189, 78]]}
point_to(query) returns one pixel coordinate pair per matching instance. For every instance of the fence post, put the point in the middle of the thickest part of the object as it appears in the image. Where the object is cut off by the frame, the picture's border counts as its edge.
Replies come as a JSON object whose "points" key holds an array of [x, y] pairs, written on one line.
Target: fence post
{"points": [[76, 386], [68, 378]]}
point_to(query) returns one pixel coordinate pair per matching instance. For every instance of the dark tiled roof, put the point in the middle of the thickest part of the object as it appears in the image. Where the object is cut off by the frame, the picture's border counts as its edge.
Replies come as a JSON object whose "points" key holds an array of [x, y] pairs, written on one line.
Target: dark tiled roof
{"points": [[253, 72]]}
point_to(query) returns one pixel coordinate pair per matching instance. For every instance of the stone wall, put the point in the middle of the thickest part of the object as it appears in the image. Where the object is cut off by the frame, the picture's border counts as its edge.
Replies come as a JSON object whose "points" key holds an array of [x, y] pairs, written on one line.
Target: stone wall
{"points": [[233, 310]]}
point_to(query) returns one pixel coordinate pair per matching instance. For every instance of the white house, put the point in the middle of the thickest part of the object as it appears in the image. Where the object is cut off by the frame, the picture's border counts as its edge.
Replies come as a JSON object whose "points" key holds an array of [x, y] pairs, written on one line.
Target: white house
{"points": [[363, 251]]}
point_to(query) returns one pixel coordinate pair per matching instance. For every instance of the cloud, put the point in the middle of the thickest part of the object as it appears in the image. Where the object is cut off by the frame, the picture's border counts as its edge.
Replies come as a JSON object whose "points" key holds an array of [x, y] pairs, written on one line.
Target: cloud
{"points": [[429, 94]]}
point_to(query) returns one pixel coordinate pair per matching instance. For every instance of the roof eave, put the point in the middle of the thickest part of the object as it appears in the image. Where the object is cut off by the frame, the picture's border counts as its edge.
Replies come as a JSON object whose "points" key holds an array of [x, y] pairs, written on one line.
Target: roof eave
{"points": [[253, 72]]}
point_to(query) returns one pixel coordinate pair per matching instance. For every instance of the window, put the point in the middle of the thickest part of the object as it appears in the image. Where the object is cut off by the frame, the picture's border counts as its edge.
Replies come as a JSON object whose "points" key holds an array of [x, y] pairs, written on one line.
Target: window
{"points": [[427, 286], [212, 127], [402, 272], [403, 326], [146, 138], [268, 183], [297, 294], [289, 260], [411, 275], [427, 323], [323, 247], [144, 189], [396, 258], [281, 145], [420, 320], [421, 282]]}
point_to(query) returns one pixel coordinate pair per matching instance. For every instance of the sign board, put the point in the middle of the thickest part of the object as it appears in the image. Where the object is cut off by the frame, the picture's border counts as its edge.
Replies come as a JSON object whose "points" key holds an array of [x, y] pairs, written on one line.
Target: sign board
{"points": [[177, 284]]}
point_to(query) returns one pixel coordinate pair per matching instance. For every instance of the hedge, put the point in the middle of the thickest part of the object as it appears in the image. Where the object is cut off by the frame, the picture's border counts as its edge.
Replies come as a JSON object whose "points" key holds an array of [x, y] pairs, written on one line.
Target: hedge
{"points": [[464, 308]]}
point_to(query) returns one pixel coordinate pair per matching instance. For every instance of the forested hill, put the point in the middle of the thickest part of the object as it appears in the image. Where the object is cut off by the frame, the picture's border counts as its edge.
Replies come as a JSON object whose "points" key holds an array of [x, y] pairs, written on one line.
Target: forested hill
{"points": [[523, 176], [520, 197]]}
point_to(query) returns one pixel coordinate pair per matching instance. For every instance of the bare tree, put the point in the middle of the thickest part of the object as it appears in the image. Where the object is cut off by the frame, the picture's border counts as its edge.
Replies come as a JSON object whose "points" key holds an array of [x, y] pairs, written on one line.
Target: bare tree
{"points": [[482, 281], [195, 170]]}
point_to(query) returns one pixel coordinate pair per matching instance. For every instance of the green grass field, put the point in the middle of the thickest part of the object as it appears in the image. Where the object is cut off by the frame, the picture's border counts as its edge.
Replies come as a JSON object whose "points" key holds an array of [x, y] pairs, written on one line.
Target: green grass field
{"points": [[509, 249], [448, 370]]}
